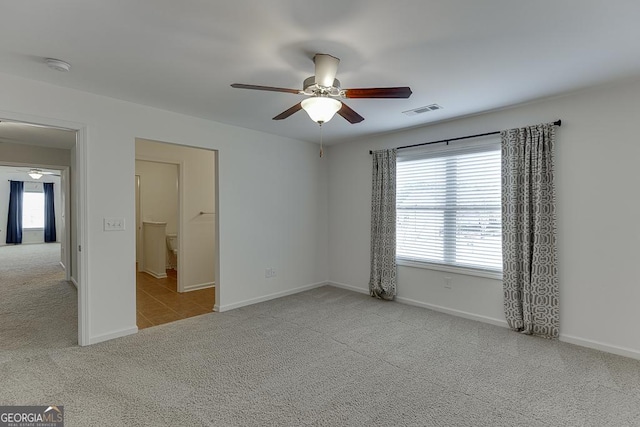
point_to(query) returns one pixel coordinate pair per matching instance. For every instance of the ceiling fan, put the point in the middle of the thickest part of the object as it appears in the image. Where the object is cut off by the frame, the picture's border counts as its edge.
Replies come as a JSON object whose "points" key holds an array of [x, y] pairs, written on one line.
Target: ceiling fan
{"points": [[324, 91], [36, 173]]}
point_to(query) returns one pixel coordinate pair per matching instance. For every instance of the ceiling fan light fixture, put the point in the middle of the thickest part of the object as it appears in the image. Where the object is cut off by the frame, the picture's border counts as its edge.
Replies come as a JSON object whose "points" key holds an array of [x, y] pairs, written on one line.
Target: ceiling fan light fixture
{"points": [[35, 175], [321, 108]]}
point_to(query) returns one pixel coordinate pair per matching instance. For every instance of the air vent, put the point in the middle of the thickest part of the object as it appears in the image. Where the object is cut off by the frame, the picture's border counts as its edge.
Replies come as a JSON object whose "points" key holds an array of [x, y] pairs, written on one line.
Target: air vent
{"points": [[420, 110]]}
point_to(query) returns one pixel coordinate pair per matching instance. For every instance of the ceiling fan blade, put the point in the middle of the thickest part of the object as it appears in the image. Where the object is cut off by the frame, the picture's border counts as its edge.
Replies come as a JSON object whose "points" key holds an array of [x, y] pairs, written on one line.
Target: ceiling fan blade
{"points": [[267, 88], [379, 92], [326, 69], [350, 115], [289, 112]]}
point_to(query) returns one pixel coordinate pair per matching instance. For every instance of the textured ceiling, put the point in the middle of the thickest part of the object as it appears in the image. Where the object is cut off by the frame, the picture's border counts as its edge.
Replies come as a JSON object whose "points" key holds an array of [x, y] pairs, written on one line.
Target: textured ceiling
{"points": [[468, 56]]}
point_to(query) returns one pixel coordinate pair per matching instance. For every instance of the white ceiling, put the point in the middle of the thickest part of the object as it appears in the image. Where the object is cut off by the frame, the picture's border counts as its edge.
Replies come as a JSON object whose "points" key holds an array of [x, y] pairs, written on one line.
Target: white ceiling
{"points": [[24, 170], [467, 55]]}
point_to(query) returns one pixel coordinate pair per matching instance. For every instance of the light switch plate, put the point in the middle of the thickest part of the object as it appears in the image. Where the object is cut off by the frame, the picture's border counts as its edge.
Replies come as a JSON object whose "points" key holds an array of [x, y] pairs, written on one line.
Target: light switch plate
{"points": [[113, 224]]}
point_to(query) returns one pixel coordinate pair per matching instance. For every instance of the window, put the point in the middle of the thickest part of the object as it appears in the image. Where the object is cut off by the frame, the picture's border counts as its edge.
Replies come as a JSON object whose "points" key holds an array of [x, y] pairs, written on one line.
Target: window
{"points": [[448, 207], [33, 209]]}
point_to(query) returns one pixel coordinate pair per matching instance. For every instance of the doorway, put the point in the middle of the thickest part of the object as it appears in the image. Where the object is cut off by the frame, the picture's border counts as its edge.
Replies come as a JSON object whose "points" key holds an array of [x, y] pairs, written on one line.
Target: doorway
{"points": [[176, 244], [38, 259]]}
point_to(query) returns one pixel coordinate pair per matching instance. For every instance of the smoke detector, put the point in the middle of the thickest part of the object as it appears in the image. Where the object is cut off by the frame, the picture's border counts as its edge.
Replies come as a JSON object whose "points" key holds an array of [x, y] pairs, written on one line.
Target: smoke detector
{"points": [[57, 64]]}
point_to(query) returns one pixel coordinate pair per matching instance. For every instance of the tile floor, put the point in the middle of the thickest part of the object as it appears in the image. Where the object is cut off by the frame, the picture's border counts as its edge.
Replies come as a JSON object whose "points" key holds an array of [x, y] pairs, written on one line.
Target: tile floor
{"points": [[158, 302]]}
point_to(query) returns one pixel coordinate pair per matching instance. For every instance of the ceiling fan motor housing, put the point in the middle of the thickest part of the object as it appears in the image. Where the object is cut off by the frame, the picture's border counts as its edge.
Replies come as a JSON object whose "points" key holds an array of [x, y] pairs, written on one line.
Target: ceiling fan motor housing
{"points": [[309, 87]]}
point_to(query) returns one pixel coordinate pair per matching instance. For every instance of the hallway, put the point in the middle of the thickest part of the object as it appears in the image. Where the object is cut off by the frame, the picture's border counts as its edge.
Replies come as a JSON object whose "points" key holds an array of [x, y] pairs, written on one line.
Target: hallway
{"points": [[38, 307]]}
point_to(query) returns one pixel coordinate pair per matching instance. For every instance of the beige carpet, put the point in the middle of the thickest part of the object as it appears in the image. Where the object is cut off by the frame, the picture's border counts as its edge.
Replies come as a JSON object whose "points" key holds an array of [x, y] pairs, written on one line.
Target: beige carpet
{"points": [[328, 357], [38, 308]]}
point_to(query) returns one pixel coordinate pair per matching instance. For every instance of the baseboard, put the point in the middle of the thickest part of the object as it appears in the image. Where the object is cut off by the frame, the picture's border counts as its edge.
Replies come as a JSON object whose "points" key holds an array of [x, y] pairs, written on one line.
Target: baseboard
{"points": [[199, 286], [454, 312], [433, 307], [156, 275], [113, 335], [596, 345], [349, 287], [74, 282], [221, 308]]}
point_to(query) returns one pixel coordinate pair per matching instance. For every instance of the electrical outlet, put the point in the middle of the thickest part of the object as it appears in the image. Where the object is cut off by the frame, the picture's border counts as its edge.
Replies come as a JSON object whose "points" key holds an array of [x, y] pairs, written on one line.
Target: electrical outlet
{"points": [[113, 224], [447, 282], [269, 273]]}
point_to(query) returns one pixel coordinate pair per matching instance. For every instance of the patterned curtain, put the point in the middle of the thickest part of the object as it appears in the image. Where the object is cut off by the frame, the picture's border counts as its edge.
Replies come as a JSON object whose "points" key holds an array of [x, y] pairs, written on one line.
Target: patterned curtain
{"points": [[382, 282], [530, 276]]}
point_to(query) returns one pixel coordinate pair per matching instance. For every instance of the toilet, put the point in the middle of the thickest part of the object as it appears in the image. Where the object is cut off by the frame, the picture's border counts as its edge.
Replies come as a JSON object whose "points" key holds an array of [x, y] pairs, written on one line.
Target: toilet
{"points": [[172, 250]]}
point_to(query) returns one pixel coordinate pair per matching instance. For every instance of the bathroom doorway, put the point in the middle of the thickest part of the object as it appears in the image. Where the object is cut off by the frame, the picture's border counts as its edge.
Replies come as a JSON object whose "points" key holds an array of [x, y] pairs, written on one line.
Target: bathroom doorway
{"points": [[176, 245]]}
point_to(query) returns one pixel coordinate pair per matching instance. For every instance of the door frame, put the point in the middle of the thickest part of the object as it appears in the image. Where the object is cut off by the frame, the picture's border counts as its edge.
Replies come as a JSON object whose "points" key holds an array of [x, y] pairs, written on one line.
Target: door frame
{"points": [[80, 195], [180, 165]]}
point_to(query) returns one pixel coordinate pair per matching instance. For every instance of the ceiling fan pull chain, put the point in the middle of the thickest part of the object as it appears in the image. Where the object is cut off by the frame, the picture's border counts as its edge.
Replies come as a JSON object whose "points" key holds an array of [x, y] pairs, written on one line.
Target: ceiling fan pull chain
{"points": [[321, 150]]}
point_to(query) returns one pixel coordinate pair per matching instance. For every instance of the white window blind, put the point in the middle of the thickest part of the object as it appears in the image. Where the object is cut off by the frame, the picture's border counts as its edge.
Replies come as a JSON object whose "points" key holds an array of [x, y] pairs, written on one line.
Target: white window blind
{"points": [[32, 210], [448, 206]]}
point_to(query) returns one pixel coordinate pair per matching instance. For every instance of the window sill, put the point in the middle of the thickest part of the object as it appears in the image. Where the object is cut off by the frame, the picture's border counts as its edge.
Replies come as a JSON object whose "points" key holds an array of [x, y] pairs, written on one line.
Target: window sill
{"points": [[32, 229], [450, 269]]}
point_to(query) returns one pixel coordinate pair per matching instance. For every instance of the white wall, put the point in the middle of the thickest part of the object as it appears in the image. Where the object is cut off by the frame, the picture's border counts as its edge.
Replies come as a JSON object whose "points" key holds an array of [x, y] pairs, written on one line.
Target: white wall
{"points": [[28, 236], [33, 155], [270, 212], [159, 193], [597, 205], [197, 248]]}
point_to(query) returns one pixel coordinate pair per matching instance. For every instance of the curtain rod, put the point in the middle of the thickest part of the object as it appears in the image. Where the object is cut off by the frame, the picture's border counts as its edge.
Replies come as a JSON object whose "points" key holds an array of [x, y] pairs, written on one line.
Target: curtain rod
{"points": [[35, 182], [557, 123]]}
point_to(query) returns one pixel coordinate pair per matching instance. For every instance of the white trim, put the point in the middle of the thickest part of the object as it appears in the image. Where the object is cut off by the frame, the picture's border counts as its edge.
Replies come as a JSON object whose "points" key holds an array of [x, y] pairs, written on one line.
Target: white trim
{"points": [[409, 301], [609, 348], [156, 275], [72, 280], [27, 243], [181, 207], [458, 313], [449, 269], [82, 237], [63, 267], [65, 175], [199, 286], [275, 295], [582, 342], [182, 215], [476, 144], [112, 335], [349, 287], [216, 225]]}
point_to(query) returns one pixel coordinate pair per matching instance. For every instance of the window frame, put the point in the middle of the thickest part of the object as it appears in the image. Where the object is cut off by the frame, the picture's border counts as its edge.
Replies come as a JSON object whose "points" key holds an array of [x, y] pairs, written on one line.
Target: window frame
{"points": [[461, 147]]}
